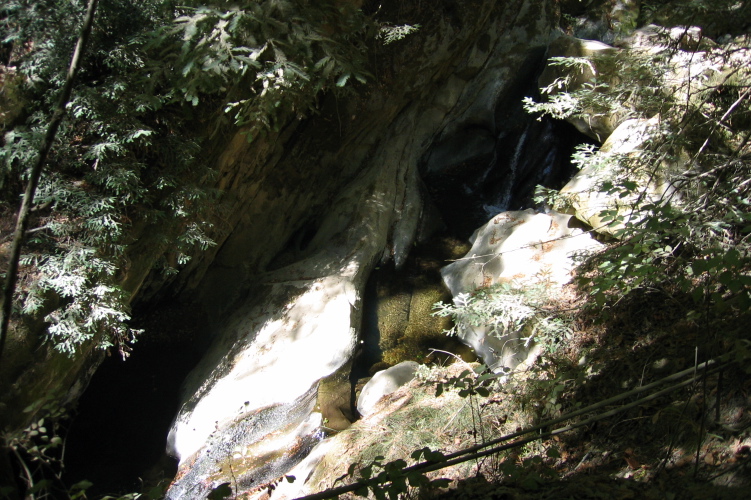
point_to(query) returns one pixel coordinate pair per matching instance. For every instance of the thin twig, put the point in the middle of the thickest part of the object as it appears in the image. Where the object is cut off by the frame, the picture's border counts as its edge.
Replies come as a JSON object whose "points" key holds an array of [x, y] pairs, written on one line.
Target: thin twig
{"points": [[27, 472]]}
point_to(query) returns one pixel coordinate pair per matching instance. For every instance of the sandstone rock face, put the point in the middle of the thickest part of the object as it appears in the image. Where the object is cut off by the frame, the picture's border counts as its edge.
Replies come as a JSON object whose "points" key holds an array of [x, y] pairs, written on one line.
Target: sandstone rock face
{"points": [[525, 247], [304, 290], [522, 249], [624, 15], [691, 61], [290, 275], [11, 99], [383, 383], [313, 331], [260, 377], [685, 64]]}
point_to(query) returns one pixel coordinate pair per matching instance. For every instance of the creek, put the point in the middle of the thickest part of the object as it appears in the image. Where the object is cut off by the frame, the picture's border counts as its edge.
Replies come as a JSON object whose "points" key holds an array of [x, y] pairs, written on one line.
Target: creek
{"points": [[117, 438]]}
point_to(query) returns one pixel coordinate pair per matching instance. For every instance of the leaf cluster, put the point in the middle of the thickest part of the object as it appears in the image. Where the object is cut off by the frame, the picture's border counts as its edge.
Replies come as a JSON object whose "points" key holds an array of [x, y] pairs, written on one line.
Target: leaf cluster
{"points": [[38, 449], [157, 81], [80, 217], [474, 382], [531, 472], [694, 241], [506, 309], [697, 238], [265, 59]]}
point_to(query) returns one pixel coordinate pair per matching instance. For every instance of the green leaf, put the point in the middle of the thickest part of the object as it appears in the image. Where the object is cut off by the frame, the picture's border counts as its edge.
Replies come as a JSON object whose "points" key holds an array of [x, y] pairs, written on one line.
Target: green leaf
{"points": [[733, 257], [416, 479], [40, 486], [440, 482], [726, 278], [82, 485], [530, 483], [366, 472], [399, 485], [342, 81]]}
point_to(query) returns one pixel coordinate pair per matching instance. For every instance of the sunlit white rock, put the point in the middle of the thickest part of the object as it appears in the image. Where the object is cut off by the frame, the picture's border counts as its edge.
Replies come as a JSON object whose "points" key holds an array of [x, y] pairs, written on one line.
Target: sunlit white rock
{"points": [[523, 249], [385, 382], [585, 197], [313, 334]]}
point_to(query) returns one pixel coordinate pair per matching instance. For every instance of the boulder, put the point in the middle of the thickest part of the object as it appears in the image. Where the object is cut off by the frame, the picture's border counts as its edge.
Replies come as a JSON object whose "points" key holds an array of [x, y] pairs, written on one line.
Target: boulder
{"points": [[11, 98], [689, 64], [584, 196], [521, 249], [693, 60], [313, 218], [259, 381], [566, 79], [383, 383], [524, 247], [624, 15]]}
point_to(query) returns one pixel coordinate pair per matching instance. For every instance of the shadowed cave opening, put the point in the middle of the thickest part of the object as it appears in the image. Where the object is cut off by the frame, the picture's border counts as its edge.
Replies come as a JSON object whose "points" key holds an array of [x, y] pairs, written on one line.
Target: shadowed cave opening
{"points": [[116, 438]]}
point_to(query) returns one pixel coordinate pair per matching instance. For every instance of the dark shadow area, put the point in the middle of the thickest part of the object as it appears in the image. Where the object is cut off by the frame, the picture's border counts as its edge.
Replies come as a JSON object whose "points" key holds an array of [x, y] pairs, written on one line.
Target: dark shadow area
{"points": [[117, 435], [403, 325], [469, 176], [595, 486], [690, 443], [476, 173], [369, 353]]}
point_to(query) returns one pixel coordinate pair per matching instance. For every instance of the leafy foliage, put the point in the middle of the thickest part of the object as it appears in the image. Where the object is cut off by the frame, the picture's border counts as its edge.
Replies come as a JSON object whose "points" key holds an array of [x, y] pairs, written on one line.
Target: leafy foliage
{"points": [[38, 449], [158, 81], [506, 309], [391, 34], [562, 103], [391, 479], [267, 58], [695, 240], [468, 383], [98, 181]]}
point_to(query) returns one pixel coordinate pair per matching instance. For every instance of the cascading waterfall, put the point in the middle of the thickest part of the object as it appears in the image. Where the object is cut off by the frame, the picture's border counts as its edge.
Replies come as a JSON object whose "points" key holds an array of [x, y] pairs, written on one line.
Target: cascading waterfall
{"points": [[535, 153], [471, 191], [504, 196], [470, 170]]}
